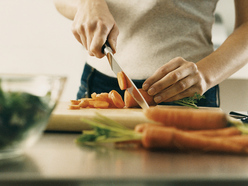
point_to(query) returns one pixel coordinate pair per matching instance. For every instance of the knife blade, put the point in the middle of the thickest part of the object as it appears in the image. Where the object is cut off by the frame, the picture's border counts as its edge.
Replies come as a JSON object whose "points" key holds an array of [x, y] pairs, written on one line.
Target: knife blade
{"points": [[132, 89]]}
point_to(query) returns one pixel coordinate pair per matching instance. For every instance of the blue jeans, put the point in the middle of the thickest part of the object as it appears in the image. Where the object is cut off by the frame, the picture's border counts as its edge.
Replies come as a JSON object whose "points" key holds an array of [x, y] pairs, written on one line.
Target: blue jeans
{"points": [[95, 81]]}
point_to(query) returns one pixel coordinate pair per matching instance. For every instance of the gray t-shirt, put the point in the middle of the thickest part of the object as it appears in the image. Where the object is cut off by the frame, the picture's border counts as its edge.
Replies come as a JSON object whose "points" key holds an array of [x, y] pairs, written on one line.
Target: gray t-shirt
{"points": [[152, 32]]}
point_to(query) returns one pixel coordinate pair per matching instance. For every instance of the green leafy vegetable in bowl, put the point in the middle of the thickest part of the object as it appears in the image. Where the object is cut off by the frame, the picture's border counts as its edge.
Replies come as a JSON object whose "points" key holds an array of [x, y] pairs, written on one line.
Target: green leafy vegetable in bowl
{"points": [[26, 103]]}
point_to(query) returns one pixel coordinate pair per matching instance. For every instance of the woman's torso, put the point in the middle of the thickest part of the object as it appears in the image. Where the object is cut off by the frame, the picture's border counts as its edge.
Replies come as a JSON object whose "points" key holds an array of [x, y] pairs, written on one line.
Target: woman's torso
{"points": [[152, 32]]}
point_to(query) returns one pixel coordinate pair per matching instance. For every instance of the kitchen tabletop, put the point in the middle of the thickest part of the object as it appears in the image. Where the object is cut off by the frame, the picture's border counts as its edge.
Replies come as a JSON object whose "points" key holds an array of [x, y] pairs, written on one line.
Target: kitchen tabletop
{"points": [[56, 160]]}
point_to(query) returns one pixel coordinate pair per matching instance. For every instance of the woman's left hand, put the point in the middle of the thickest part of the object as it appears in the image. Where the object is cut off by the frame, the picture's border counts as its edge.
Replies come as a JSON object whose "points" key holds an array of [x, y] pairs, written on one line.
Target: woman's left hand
{"points": [[175, 80]]}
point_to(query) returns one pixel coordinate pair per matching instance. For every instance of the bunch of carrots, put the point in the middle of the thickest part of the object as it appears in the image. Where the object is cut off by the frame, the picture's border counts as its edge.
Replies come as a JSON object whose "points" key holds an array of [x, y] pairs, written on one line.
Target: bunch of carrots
{"points": [[175, 128]]}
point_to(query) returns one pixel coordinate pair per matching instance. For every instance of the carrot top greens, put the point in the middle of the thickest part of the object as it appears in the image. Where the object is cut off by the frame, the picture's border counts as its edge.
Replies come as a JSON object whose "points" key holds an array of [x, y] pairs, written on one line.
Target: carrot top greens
{"points": [[190, 101], [106, 130]]}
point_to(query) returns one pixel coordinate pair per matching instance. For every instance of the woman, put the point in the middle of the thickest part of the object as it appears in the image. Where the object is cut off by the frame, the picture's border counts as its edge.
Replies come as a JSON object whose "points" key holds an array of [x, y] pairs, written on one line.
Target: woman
{"points": [[164, 46]]}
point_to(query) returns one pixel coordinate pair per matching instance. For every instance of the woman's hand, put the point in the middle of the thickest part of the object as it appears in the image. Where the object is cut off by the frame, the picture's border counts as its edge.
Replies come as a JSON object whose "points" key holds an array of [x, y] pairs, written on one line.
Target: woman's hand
{"points": [[175, 80], [93, 24]]}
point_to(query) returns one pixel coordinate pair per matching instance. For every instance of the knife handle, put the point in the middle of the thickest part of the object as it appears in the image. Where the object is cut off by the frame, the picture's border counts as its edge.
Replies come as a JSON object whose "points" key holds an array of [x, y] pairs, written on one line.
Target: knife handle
{"points": [[106, 48]]}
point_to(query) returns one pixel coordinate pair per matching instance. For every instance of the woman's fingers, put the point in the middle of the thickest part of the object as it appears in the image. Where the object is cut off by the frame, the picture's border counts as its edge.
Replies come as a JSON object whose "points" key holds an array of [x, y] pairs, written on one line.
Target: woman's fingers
{"points": [[175, 80], [112, 37], [93, 24], [162, 72], [173, 72], [101, 36], [180, 89]]}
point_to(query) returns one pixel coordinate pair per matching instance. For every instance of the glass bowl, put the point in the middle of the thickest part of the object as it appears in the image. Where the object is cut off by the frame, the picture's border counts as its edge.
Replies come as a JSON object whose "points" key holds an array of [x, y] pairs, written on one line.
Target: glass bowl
{"points": [[26, 103]]}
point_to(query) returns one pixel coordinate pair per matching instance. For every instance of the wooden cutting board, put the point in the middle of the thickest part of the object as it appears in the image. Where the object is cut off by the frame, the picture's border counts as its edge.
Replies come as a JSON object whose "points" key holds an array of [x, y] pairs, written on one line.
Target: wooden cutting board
{"points": [[63, 119]]}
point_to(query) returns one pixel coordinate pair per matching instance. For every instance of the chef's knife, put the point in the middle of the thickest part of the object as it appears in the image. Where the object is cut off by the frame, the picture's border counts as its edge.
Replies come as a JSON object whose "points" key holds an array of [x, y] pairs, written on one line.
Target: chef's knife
{"points": [[132, 89]]}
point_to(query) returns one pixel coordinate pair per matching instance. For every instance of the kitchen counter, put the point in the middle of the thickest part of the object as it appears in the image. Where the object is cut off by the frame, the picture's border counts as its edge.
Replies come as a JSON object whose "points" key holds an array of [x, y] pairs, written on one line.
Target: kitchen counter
{"points": [[56, 160]]}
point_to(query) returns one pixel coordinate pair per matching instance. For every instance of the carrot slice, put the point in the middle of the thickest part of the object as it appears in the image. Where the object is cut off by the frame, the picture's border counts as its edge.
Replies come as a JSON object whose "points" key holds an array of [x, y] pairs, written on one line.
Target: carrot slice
{"points": [[102, 96], [74, 107], [93, 95], [116, 98], [84, 103], [75, 102], [101, 104], [122, 80]]}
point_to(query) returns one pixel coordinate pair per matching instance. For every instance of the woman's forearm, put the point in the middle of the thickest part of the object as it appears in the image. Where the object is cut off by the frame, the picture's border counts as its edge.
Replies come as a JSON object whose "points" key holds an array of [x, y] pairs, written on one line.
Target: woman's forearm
{"points": [[67, 8], [231, 56]]}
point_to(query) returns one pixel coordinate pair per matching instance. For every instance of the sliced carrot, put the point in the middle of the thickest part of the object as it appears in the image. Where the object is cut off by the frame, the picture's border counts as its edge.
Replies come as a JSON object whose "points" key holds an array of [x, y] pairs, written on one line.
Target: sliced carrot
{"points": [[74, 107], [102, 96], [131, 103], [103, 100], [93, 95], [187, 118], [84, 103], [91, 103], [75, 102], [101, 104], [122, 80], [116, 98], [105, 97]]}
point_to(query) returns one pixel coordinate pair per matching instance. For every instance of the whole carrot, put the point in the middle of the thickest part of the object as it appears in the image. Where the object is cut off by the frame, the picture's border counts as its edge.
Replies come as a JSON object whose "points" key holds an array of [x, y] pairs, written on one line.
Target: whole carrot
{"points": [[228, 131], [172, 138], [187, 118]]}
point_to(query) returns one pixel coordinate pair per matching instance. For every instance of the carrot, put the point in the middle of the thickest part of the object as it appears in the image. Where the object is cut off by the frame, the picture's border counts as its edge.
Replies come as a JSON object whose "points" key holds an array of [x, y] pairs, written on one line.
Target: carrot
{"points": [[131, 103], [100, 104], [122, 80], [103, 100], [187, 118], [229, 131], [172, 138], [84, 103], [75, 102], [105, 97], [116, 98], [141, 127], [74, 107], [102, 96], [93, 95]]}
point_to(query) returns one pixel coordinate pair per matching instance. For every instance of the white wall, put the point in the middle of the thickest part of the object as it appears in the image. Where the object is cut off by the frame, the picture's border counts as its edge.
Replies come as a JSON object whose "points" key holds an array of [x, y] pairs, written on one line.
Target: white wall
{"points": [[35, 38]]}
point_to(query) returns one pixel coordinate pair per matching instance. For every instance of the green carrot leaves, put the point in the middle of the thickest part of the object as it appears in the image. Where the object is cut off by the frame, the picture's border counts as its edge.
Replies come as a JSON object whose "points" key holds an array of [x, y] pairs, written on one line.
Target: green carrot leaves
{"points": [[190, 101], [105, 130]]}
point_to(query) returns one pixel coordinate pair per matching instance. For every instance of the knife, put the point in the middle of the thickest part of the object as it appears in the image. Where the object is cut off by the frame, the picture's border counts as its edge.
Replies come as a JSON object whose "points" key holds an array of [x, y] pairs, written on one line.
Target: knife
{"points": [[132, 89]]}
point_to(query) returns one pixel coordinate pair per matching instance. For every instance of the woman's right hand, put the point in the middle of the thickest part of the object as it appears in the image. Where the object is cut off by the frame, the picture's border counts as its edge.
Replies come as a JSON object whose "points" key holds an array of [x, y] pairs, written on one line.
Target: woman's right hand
{"points": [[93, 24]]}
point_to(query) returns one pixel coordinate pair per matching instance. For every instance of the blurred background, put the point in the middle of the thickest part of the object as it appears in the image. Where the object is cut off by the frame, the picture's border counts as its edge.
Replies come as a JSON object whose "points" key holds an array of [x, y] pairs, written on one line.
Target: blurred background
{"points": [[35, 38]]}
